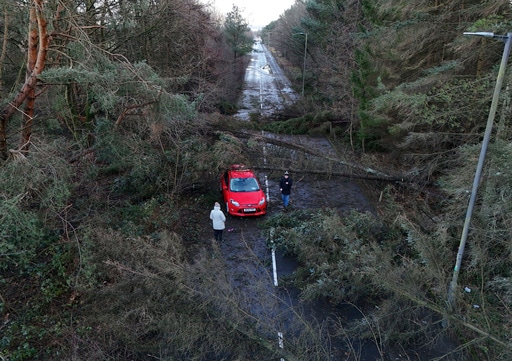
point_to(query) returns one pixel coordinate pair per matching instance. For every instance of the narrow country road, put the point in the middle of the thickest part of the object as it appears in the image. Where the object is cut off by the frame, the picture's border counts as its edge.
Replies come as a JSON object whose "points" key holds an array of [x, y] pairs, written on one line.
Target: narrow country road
{"points": [[255, 271], [250, 285], [266, 88]]}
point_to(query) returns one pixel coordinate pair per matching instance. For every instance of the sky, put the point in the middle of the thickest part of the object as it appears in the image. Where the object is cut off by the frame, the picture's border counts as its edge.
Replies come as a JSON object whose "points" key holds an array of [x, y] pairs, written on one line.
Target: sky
{"points": [[258, 13]]}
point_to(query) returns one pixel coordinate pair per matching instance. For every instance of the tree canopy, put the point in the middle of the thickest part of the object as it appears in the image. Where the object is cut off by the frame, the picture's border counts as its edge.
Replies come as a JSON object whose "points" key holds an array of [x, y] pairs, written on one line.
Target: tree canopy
{"points": [[237, 33]]}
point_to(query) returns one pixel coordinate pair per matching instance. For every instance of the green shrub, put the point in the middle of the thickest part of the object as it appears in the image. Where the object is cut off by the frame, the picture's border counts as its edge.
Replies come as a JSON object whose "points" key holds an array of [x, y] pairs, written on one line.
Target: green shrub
{"points": [[34, 192], [334, 253]]}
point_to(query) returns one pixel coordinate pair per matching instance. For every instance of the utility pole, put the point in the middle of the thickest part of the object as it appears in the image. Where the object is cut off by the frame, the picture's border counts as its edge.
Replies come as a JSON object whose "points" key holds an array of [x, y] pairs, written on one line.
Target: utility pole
{"points": [[478, 173]]}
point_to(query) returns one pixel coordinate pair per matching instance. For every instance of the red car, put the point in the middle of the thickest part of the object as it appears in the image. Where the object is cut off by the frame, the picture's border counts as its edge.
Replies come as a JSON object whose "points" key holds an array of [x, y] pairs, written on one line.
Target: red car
{"points": [[242, 192]]}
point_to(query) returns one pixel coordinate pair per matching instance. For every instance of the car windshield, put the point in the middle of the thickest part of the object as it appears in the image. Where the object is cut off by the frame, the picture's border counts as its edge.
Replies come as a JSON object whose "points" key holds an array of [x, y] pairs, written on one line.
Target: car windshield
{"points": [[244, 185]]}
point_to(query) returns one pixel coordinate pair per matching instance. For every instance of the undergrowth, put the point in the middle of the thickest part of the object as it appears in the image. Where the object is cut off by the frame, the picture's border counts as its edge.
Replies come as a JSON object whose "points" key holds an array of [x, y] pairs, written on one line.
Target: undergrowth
{"points": [[397, 269]]}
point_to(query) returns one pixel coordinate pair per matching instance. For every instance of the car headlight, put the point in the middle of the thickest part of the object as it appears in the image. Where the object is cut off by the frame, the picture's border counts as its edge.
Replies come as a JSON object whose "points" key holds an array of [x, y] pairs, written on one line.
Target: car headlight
{"points": [[262, 201], [235, 203]]}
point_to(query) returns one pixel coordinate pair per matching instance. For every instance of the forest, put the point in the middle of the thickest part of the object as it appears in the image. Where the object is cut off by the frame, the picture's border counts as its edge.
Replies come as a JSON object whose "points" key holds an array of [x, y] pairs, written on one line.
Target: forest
{"points": [[116, 118]]}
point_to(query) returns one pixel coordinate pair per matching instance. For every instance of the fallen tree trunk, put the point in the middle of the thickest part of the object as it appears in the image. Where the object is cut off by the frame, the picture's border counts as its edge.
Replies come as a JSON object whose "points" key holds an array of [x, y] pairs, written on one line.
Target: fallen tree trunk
{"points": [[369, 173], [333, 173]]}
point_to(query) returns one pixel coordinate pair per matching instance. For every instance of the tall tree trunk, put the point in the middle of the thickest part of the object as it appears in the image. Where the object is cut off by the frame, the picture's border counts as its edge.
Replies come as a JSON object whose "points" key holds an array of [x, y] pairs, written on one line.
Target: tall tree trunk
{"points": [[28, 114], [38, 48], [4, 46]]}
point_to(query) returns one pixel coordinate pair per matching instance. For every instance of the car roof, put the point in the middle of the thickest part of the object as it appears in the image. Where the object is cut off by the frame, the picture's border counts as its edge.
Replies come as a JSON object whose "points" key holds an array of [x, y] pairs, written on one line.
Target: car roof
{"points": [[239, 171]]}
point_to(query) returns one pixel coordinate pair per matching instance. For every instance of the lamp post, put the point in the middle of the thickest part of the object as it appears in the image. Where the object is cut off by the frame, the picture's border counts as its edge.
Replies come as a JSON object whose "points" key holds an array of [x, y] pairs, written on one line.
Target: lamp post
{"points": [[304, 64], [492, 112]]}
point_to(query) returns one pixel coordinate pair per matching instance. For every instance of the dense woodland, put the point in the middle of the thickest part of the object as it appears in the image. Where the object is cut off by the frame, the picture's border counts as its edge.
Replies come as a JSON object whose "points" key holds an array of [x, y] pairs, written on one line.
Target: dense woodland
{"points": [[115, 121]]}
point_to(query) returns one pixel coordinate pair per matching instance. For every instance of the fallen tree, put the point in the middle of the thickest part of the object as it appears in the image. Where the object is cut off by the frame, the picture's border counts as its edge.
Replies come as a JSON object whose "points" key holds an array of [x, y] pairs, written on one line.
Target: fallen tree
{"points": [[360, 171]]}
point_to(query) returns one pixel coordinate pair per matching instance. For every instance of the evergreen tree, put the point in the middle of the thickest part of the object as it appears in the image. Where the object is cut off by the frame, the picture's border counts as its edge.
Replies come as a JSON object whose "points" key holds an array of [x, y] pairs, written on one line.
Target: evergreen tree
{"points": [[237, 33]]}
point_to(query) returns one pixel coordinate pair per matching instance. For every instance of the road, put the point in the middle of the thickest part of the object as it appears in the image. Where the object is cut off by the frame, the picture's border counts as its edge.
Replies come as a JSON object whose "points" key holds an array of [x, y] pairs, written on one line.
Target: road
{"points": [[266, 88], [254, 271], [248, 278]]}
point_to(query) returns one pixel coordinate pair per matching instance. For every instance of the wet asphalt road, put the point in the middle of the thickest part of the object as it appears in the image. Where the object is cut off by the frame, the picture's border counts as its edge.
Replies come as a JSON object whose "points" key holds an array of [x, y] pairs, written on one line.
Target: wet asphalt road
{"points": [[266, 88], [254, 273], [249, 262], [252, 269]]}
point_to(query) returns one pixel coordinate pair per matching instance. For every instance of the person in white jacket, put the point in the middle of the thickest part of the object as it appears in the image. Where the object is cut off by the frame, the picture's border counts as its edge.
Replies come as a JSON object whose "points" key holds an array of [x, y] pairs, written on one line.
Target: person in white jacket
{"points": [[218, 219]]}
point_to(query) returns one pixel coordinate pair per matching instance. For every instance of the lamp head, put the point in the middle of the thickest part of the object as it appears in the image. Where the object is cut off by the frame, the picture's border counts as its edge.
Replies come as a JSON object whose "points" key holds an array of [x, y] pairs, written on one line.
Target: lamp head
{"points": [[480, 33], [486, 34]]}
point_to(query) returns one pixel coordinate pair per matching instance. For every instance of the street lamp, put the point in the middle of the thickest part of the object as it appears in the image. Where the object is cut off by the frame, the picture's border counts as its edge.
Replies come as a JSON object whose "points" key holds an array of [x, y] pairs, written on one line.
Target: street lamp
{"points": [[304, 65], [492, 112]]}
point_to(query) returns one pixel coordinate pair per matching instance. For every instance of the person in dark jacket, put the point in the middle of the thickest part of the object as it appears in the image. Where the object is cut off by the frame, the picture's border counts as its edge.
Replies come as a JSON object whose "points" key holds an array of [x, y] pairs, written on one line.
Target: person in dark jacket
{"points": [[218, 221], [285, 186]]}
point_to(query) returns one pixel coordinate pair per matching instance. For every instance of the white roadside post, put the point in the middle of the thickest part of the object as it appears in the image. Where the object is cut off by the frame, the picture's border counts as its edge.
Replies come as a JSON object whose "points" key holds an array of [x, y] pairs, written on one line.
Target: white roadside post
{"points": [[274, 263], [280, 338]]}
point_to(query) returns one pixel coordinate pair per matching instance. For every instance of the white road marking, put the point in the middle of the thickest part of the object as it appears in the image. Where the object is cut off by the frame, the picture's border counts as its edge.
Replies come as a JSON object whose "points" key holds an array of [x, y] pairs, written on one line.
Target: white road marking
{"points": [[266, 186], [274, 266]]}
